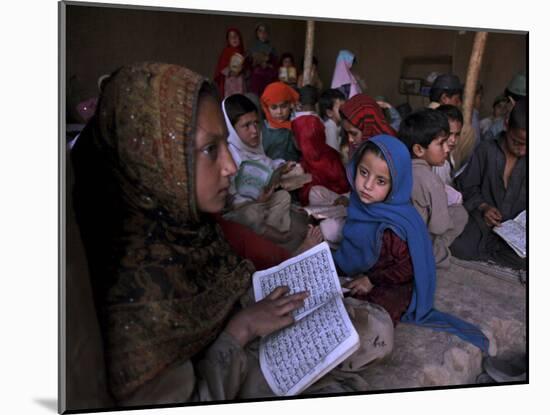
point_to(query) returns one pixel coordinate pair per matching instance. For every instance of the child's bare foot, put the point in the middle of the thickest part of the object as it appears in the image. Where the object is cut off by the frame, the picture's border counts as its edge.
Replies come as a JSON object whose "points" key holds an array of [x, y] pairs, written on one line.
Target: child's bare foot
{"points": [[313, 237]]}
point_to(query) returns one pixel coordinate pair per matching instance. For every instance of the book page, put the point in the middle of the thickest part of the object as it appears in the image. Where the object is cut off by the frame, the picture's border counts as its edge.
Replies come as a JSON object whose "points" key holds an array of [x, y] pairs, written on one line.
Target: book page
{"points": [[252, 178], [522, 219], [514, 233], [290, 183], [324, 212], [313, 271], [295, 357]]}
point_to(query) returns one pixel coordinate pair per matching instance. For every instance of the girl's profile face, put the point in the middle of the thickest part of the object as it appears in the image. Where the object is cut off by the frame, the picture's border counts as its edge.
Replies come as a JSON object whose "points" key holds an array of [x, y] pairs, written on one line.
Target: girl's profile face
{"points": [[280, 111], [213, 162], [233, 39], [354, 134], [262, 34], [372, 179], [248, 129]]}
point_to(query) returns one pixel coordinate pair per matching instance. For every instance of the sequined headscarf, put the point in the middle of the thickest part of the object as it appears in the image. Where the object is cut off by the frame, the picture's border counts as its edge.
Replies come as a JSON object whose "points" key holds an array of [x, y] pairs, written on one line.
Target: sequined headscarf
{"points": [[169, 279]]}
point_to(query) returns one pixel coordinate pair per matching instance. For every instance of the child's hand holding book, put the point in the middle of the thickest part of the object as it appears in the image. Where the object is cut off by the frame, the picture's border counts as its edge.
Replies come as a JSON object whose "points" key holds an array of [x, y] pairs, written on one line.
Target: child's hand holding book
{"points": [[268, 315]]}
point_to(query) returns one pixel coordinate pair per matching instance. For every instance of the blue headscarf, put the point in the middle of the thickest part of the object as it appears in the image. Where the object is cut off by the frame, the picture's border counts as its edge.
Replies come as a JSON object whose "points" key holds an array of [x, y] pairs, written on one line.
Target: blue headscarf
{"points": [[365, 225]]}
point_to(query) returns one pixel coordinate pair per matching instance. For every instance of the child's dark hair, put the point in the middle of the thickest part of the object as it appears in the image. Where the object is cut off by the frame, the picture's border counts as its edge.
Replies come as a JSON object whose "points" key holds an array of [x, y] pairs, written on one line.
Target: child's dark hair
{"points": [[452, 113], [422, 127], [518, 116], [236, 106], [308, 95], [436, 93], [327, 100], [286, 55]]}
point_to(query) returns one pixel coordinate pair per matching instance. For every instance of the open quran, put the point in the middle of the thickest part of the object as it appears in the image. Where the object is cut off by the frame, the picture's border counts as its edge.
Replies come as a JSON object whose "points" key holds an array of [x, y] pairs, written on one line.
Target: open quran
{"points": [[514, 232], [253, 177], [322, 336]]}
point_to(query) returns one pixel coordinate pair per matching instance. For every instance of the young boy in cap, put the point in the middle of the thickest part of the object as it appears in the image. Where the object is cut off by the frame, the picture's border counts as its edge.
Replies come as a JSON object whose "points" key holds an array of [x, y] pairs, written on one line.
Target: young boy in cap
{"points": [[514, 91], [425, 133], [446, 89], [494, 187]]}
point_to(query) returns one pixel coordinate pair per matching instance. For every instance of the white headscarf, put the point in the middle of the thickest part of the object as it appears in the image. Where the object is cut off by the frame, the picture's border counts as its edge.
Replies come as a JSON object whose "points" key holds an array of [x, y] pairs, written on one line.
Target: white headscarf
{"points": [[342, 73], [242, 151]]}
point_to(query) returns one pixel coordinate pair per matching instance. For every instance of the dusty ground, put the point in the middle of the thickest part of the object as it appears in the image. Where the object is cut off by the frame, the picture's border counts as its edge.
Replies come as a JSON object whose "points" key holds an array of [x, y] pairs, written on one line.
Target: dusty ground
{"points": [[494, 299]]}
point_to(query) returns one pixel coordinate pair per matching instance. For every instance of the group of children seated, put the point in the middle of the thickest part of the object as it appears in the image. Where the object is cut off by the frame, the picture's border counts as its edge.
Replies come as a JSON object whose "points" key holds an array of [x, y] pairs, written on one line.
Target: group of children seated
{"points": [[405, 205]]}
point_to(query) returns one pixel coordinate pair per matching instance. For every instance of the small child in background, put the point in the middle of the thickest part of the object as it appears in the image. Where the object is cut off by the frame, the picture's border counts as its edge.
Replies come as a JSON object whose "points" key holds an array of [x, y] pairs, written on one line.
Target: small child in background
{"points": [[314, 78], [262, 58], [278, 100], [455, 120], [343, 78], [392, 115], [492, 126], [329, 185], [425, 133], [330, 102], [386, 248], [287, 70], [229, 73]]}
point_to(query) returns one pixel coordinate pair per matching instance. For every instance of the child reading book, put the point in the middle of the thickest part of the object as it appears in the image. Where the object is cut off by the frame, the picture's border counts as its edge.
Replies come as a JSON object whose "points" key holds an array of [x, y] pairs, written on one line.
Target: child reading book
{"points": [[278, 101], [267, 212], [287, 69], [386, 248], [229, 76], [494, 186]]}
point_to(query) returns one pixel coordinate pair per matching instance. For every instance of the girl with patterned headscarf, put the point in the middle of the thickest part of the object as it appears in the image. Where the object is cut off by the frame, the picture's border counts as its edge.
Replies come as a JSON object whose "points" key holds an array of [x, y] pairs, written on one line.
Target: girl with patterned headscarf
{"points": [[362, 118], [277, 101], [229, 73], [150, 169]]}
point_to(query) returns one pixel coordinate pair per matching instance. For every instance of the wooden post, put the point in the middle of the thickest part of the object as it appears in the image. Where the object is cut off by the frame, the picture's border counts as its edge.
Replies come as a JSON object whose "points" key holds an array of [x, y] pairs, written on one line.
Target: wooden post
{"points": [[308, 54], [466, 145]]}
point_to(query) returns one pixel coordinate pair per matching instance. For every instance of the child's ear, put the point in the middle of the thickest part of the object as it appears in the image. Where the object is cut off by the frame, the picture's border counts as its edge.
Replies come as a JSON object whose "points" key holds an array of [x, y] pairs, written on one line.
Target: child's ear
{"points": [[418, 150]]}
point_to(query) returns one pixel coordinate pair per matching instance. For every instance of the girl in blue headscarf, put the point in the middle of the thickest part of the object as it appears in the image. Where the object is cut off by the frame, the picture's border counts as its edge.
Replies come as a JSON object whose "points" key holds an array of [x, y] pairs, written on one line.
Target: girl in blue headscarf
{"points": [[385, 236]]}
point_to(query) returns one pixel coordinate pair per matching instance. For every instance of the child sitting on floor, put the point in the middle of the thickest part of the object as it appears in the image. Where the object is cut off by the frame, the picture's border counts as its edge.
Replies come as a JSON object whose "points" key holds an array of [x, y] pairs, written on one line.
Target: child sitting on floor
{"points": [[494, 186], [330, 102], [329, 183], [425, 133], [268, 214], [385, 237], [278, 100]]}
